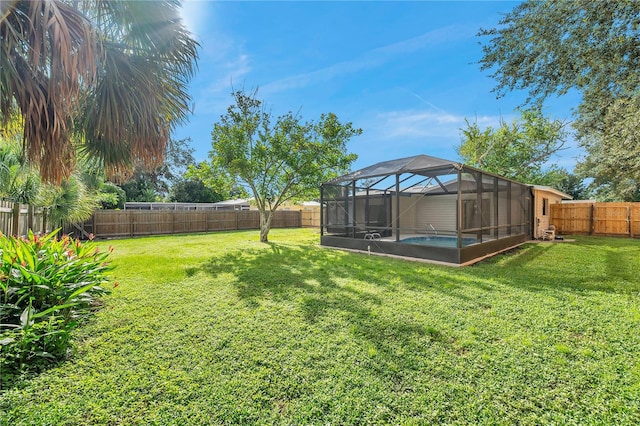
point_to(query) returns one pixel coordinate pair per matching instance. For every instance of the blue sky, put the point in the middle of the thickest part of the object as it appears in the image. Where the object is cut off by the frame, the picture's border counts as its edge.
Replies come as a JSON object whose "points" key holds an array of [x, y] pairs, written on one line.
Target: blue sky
{"points": [[404, 72]]}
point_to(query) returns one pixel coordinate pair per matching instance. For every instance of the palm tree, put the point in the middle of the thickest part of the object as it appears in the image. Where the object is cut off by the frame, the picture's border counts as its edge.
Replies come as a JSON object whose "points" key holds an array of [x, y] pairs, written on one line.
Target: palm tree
{"points": [[102, 77]]}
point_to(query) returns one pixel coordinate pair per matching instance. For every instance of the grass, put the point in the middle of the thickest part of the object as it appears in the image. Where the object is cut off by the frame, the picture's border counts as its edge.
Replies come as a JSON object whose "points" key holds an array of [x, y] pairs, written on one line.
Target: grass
{"points": [[220, 329]]}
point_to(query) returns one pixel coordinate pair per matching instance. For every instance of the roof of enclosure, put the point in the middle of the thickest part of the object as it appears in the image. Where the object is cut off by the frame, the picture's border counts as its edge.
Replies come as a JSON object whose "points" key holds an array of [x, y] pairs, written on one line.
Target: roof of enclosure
{"points": [[419, 164]]}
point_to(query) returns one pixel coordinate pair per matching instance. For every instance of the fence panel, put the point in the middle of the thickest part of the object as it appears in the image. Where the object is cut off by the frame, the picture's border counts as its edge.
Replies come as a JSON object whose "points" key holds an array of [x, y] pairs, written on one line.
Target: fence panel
{"points": [[17, 219], [221, 220], [634, 219], [6, 217], [286, 219], [129, 223], [310, 218], [612, 219], [572, 218], [248, 219], [124, 223], [112, 223]]}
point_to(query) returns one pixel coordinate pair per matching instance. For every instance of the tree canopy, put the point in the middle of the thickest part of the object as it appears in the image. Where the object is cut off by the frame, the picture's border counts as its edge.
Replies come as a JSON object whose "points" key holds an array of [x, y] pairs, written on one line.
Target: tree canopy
{"points": [[110, 75], [518, 150], [278, 159], [155, 184], [193, 191], [590, 47], [613, 158], [551, 47]]}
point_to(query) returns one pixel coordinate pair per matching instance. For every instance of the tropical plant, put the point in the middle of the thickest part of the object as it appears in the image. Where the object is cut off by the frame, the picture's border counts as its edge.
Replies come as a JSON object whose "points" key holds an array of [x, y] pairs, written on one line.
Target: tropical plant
{"points": [[278, 160], [119, 69], [68, 202], [17, 181], [47, 285]]}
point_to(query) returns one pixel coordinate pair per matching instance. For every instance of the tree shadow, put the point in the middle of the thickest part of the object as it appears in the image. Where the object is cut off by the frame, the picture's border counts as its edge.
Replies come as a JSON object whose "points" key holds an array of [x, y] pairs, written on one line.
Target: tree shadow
{"points": [[537, 268], [323, 283]]}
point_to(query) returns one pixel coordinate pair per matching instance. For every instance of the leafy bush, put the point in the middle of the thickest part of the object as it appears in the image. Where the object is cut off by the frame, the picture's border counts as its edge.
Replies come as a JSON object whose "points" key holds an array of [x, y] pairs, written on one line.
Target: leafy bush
{"points": [[47, 285]]}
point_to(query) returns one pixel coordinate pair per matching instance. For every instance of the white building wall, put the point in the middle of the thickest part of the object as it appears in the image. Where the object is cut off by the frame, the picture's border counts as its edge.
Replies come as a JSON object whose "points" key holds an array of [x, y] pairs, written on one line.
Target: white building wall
{"points": [[438, 211]]}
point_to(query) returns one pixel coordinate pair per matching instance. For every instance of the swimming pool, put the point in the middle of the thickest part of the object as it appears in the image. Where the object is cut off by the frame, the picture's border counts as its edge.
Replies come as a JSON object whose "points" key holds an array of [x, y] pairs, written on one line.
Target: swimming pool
{"points": [[438, 241]]}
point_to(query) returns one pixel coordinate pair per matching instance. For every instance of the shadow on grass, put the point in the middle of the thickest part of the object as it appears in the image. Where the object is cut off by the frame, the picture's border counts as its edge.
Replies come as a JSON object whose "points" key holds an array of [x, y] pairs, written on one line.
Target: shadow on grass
{"points": [[325, 284], [283, 272], [573, 266]]}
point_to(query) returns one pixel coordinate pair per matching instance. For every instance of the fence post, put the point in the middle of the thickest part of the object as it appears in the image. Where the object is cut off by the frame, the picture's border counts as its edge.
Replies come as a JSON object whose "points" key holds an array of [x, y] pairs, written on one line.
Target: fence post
{"points": [[591, 224], [629, 221], [44, 220], [30, 217], [16, 220]]}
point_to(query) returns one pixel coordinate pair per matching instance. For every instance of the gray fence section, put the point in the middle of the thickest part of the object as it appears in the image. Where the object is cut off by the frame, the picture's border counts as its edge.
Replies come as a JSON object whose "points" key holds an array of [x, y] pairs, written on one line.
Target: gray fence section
{"points": [[17, 219], [132, 223]]}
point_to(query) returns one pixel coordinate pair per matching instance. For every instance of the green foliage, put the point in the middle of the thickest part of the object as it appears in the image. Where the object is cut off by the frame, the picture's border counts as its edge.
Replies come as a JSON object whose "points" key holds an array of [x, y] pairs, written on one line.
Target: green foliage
{"points": [[69, 202], [140, 188], [278, 159], [17, 181], [219, 180], [46, 286], [193, 191], [613, 159], [592, 47], [220, 329], [155, 184], [518, 150], [571, 184], [551, 47], [111, 196]]}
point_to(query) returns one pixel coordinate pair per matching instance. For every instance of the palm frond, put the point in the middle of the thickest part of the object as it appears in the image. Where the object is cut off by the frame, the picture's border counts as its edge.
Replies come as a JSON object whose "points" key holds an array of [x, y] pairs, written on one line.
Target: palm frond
{"points": [[120, 67], [48, 53]]}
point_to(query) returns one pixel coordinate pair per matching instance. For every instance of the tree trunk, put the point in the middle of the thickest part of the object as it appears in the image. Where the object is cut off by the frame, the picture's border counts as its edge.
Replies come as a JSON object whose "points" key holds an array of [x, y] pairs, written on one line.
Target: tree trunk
{"points": [[265, 225]]}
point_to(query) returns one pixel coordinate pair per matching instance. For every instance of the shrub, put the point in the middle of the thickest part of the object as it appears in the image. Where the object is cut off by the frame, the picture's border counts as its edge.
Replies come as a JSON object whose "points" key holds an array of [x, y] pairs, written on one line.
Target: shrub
{"points": [[47, 285]]}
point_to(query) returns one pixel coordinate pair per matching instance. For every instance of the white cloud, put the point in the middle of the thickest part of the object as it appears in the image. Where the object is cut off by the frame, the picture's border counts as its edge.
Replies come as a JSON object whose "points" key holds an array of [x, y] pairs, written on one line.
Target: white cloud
{"points": [[434, 122], [370, 59]]}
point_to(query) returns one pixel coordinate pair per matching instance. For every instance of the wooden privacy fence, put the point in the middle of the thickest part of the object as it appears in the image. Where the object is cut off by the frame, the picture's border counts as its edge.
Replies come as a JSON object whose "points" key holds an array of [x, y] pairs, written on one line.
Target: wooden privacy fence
{"points": [[310, 218], [130, 223], [610, 219], [17, 219]]}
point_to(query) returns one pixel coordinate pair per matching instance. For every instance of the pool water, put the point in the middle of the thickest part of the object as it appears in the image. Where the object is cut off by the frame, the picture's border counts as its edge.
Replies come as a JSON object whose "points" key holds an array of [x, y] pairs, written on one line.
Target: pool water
{"points": [[438, 241]]}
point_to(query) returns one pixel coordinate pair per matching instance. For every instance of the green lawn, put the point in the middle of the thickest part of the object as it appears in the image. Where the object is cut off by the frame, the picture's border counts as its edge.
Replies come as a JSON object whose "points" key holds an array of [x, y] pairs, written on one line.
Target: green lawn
{"points": [[220, 329]]}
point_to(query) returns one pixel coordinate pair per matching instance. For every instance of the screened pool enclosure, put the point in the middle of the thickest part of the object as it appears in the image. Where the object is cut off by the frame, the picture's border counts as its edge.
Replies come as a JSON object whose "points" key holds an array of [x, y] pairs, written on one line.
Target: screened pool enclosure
{"points": [[425, 207]]}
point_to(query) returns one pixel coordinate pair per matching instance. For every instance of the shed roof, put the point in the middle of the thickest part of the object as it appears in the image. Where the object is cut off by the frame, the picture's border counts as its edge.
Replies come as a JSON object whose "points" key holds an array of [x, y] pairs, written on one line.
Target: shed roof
{"points": [[419, 164], [553, 191]]}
